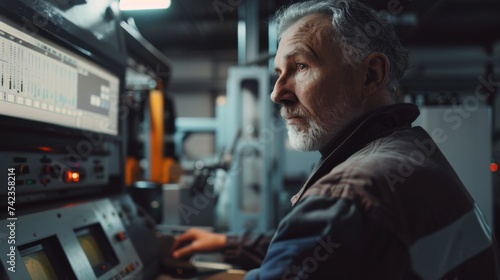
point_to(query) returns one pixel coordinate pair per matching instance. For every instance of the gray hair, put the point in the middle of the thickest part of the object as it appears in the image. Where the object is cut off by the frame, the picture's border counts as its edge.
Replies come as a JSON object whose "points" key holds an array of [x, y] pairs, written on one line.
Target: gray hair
{"points": [[359, 31]]}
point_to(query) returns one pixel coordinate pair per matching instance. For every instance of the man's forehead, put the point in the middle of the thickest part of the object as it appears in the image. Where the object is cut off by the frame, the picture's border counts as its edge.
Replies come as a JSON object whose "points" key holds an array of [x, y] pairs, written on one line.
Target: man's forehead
{"points": [[296, 49], [308, 35], [313, 25]]}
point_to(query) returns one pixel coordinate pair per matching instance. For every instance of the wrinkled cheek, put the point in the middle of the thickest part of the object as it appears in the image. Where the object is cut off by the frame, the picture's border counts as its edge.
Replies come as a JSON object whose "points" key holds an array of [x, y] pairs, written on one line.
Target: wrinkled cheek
{"points": [[317, 104]]}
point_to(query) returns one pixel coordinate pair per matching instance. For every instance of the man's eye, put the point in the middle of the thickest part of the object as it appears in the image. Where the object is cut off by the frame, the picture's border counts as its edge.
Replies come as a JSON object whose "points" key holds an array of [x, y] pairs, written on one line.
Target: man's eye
{"points": [[301, 66]]}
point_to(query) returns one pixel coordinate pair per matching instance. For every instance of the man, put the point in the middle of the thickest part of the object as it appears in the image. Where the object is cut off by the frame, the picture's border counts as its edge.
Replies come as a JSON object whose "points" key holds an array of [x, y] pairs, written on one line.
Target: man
{"points": [[383, 202]]}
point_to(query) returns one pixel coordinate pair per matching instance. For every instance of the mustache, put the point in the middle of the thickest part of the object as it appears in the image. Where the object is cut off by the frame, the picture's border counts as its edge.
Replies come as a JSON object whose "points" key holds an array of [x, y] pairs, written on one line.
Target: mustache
{"points": [[291, 112]]}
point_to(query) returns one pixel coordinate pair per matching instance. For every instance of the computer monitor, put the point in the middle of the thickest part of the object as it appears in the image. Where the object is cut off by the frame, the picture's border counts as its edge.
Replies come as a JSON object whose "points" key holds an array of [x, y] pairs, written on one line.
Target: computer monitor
{"points": [[44, 82]]}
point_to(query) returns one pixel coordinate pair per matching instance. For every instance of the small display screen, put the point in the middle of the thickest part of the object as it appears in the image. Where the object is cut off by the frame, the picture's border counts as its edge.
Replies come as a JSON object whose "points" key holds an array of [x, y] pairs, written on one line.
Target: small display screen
{"points": [[97, 248], [91, 249], [39, 266], [45, 260]]}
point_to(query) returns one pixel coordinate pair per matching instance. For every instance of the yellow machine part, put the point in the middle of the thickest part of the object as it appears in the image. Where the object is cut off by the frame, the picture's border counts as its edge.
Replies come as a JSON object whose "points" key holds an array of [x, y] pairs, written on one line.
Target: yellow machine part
{"points": [[171, 171], [156, 136], [133, 172]]}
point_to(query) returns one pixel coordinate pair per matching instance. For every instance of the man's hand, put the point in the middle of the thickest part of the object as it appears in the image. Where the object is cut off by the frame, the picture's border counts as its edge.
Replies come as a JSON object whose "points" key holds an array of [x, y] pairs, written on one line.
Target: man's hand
{"points": [[199, 241]]}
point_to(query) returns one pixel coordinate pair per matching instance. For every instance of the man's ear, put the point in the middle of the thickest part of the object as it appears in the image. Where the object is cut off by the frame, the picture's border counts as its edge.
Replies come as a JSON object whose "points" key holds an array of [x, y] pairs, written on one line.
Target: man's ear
{"points": [[376, 67]]}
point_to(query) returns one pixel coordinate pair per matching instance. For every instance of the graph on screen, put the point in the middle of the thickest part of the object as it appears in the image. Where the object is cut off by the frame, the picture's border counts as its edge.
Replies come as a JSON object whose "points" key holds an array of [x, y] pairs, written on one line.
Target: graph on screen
{"points": [[42, 81]]}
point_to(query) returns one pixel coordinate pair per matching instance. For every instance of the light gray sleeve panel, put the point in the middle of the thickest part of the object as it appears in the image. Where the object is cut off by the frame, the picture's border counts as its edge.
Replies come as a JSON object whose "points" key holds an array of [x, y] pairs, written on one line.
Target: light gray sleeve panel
{"points": [[438, 253]]}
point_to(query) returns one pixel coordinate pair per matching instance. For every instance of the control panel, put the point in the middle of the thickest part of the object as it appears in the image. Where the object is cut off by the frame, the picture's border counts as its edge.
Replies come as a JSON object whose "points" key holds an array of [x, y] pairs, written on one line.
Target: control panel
{"points": [[36, 174], [80, 241]]}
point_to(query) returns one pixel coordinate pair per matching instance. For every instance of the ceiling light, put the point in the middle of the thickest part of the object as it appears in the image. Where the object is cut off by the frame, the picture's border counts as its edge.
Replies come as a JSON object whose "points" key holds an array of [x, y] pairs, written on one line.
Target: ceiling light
{"points": [[126, 5]]}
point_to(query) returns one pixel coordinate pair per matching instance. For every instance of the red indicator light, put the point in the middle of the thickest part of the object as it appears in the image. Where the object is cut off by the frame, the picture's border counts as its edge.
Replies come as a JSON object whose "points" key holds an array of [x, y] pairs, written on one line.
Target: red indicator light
{"points": [[45, 149], [72, 177], [493, 167], [68, 176], [75, 176]]}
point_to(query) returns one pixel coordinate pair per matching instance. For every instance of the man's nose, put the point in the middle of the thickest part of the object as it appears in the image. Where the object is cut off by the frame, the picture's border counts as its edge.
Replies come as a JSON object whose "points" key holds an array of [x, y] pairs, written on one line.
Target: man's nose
{"points": [[283, 91]]}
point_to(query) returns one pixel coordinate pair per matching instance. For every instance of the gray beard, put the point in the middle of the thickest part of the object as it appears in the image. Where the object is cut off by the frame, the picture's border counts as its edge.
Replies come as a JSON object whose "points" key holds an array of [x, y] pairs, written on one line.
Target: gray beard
{"points": [[318, 132], [313, 138], [316, 136]]}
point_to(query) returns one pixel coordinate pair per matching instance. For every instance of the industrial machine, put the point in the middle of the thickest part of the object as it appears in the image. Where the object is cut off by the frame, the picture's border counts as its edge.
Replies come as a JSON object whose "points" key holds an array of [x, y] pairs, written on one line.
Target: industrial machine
{"points": [[65, 210]]}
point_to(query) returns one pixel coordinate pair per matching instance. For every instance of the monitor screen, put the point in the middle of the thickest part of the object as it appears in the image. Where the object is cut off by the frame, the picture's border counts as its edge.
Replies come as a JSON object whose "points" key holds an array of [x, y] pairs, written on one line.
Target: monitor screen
{"points": [[38, 265], [44, 82], [45, 260], [97, 248], [91, 249]]}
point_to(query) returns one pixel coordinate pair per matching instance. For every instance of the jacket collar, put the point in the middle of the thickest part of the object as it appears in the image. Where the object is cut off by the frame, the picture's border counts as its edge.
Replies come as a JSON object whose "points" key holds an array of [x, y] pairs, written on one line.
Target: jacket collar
{"points": [[366, 129]]}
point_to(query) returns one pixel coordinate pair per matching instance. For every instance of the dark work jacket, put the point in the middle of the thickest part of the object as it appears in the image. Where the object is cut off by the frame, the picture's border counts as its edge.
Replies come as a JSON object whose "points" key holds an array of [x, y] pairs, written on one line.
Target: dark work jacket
{"points": [[383, 203]]}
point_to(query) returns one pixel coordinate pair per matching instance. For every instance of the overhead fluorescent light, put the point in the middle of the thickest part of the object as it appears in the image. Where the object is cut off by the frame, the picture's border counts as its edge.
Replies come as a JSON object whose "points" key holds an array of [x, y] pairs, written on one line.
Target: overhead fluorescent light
{"points": [[127, 5]]}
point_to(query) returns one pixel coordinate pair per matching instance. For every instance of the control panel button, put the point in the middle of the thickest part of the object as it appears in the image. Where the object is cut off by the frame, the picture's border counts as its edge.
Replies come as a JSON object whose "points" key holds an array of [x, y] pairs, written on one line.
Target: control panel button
{"points": [[120, 236], [44, 181], [22, 169], [47, 169], [98, 168], [30, 182]]}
